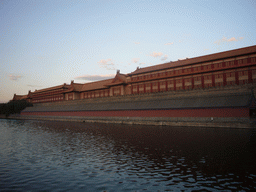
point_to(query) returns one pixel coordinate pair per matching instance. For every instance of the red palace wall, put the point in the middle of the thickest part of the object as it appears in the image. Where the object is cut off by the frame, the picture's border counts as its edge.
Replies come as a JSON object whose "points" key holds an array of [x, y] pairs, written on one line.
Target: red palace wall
{"points": [[220, 73], [235, 70], [214, 112], [239, 76]]}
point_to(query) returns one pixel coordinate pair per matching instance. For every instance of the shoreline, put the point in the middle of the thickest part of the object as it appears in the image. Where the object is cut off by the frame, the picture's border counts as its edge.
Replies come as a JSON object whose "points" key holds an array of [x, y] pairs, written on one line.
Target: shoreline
{"points": [[208, 122], [227, 107]]}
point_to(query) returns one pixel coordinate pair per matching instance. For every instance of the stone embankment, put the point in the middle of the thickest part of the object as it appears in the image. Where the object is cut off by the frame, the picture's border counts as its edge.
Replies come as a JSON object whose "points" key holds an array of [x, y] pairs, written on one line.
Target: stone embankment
{"points": [[213, 92], [233, 96], [175, 121]]}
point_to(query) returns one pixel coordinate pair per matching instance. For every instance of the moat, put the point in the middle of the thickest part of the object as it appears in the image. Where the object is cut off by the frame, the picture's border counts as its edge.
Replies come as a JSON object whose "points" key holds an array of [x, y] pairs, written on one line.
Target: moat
{"points": [[73, 156]]}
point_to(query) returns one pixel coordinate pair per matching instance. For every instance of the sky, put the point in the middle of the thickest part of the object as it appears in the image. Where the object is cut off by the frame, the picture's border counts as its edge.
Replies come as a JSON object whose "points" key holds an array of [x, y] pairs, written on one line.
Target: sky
{"points": [[48, 43]]}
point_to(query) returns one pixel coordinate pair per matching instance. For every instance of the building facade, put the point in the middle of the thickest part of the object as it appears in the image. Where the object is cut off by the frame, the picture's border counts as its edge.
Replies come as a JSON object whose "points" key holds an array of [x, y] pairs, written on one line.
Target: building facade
{"points": [[235, 67]]}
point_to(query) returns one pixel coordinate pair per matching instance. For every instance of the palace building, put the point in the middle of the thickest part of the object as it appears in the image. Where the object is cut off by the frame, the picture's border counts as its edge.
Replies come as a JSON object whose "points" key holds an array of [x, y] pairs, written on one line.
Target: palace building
{"points": [[230, 68], [214, 90]]}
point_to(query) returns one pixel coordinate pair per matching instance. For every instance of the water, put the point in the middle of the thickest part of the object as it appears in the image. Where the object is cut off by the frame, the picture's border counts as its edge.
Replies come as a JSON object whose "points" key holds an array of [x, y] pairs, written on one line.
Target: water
{"points": [[70, 156]]}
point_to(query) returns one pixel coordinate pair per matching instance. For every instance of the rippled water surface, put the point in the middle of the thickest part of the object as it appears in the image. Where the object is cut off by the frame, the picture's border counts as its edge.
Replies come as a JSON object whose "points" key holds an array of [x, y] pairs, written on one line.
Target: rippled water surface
{"points": [[70, 156]]}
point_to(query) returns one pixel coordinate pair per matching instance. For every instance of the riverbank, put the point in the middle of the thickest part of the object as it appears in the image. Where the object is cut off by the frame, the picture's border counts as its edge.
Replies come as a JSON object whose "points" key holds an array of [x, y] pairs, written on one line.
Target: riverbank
{"points": [[229, 107], [170, 121]]}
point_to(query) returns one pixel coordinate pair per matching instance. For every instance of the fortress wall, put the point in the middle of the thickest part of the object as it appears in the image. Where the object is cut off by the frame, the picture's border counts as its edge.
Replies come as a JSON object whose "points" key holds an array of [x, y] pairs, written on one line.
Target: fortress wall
{"points": [[228, 108], [215, 91], [216, 112]]}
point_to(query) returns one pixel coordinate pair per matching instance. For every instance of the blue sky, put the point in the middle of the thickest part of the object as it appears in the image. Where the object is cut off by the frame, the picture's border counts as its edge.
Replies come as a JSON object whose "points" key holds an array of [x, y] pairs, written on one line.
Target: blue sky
{"points": [[48, 43]]}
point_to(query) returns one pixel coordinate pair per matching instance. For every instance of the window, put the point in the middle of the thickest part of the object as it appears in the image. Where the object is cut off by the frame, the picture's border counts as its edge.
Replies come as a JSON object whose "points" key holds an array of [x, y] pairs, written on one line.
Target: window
{"points": [[242, 73], [207, 67], [208, 77], [218, 76], [198, 78]]}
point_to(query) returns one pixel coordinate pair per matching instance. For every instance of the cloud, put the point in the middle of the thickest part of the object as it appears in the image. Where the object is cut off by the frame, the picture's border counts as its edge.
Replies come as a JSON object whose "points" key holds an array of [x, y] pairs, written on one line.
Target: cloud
{"points": [[154, 54], [232, 39], [182, 58], [135, 60], [164, 58], [33, 86], [169, 43], [15, 77], [225, 39], [95, 77], [107, 64], [136, 43], [105, 61]]}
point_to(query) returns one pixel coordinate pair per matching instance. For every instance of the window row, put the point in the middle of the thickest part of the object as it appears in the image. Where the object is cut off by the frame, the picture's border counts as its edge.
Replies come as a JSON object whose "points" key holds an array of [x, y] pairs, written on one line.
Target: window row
{"points": [[211, 80], [218, 79], [199, 68], [93, 94], [47, 93], [52, 99]]}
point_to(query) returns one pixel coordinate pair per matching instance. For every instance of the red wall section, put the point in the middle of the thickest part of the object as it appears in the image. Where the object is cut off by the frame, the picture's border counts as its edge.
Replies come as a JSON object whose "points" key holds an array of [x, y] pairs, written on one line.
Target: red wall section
{"points": [[217, 112]]}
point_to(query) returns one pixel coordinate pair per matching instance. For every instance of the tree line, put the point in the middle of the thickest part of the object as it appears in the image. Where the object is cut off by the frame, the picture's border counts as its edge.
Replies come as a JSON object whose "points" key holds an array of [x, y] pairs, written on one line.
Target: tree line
{"points": [[13, 107]]}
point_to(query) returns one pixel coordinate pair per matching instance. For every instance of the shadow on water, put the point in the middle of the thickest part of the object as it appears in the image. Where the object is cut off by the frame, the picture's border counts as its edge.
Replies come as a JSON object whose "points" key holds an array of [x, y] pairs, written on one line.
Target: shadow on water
{"points": [[116, 157]]}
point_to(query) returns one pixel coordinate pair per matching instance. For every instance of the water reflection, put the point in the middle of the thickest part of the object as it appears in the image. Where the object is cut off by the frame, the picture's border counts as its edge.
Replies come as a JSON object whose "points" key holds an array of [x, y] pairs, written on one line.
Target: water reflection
{"points": [[73, 156]]}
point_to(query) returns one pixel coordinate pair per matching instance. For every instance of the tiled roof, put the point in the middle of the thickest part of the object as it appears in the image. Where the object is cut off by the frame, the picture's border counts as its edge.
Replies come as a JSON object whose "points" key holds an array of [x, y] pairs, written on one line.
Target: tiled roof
{"points": [[123, 77], [51, 88], [206, 58], [119, 79], [96, 85], [19, 97], [77, 86]]}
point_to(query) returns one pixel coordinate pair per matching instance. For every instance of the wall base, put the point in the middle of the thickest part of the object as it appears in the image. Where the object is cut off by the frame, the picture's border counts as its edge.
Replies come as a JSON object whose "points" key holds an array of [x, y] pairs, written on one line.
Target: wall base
{"points": [[173, 121]]}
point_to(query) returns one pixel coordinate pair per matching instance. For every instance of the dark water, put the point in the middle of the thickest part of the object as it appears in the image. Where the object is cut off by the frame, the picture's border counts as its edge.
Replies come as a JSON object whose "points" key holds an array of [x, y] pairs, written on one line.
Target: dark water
{"points": [[68, 156]]}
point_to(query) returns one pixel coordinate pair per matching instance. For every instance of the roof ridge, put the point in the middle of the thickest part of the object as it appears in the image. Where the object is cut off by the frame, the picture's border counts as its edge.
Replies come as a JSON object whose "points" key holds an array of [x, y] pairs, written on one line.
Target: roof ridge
{"points": [[198, 59]]}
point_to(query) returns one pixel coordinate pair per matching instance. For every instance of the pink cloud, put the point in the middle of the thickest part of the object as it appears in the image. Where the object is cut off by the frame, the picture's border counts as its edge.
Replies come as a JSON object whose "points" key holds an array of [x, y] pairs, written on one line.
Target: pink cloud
{"points": [[15, 77], [95, 77], [135, 60], [164, 58], [105, 61], [168, 43], [232, 39], [154, 54], [107, 64], [225, 39], [34, 86]]}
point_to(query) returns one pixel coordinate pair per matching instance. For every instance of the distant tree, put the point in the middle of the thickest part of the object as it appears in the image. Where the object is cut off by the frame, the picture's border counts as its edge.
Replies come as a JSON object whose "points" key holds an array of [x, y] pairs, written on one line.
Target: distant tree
{"points": [[2, 108], [13, 107]]}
